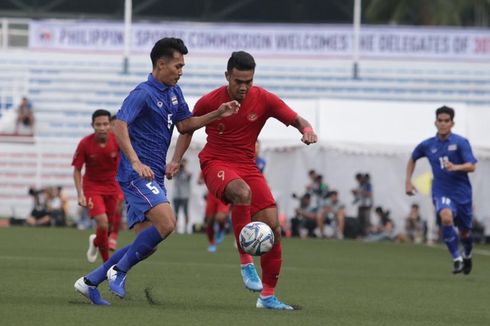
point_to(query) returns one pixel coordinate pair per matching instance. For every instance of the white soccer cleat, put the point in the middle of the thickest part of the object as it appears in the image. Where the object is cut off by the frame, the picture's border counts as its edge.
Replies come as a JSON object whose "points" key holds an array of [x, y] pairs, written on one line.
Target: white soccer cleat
{"points": [[92, 249], [90, 292]]}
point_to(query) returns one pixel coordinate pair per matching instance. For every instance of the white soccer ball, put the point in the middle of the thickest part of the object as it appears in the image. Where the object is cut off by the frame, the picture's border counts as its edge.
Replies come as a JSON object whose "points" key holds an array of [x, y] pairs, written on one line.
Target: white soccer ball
{"points": [[256, 238]]}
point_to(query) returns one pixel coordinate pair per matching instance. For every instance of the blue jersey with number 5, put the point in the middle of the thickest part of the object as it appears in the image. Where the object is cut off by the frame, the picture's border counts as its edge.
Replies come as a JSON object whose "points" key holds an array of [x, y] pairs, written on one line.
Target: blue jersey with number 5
{"points": [[455, 149], [151, 110]]}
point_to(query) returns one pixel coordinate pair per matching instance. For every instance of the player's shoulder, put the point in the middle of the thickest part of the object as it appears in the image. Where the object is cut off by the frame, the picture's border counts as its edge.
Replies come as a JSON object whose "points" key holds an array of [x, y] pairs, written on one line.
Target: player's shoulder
{"points": [[457, 138], [88, 138], [217, 95]]}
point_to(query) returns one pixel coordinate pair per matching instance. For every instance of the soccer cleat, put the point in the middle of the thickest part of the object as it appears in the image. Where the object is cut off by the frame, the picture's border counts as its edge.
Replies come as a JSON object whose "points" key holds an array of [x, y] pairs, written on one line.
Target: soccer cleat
{"points": [[467, 265], [92, 249], [112, 244], [220, 236], [90, 292], [458, 266], [251, 278], [272, 303], [212, 248], [117, 282]]}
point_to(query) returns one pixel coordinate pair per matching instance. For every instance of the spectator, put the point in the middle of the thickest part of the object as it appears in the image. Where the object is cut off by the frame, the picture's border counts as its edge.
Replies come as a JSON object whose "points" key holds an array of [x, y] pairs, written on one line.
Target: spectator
{"points": [[363, 197], [332, 213], [385, 228], [305, 218], [25, 116], [182, 191], [414, 226], [56, 206], [39, 215]]}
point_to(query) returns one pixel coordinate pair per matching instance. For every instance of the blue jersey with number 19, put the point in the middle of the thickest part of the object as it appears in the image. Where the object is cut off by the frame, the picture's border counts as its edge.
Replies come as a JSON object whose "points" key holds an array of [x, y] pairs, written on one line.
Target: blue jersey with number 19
{"points": [[151, 110], [455, 149]]}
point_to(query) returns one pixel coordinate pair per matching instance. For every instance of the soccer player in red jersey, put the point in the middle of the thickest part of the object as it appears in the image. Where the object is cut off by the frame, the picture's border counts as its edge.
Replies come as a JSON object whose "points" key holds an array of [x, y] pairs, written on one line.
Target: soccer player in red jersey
{"points": [[229, 168], [98, 189]]}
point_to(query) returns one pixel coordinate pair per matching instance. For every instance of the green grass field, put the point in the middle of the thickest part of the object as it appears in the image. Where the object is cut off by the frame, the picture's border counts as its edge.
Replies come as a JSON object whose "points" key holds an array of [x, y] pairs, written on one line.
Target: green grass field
{"points": [[336, 283]]}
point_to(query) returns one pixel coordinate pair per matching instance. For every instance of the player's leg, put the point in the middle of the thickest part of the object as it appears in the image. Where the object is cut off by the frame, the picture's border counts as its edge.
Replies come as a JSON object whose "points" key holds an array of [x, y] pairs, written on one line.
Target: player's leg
{"points": [[264, 209], [211, 204], [147, 201], [446, 209], [223, 181], [220, 220], [99, 240], [464, 222], [340, 216], [185, 208], [116, 223]]}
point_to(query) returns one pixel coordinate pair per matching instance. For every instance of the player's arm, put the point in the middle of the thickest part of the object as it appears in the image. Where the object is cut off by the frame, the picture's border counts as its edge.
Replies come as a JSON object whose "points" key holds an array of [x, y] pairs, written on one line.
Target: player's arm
{"points": [[465, 167], [183, 142], [120, 130], [193, 123], [409, 187], [77, 178], [305, 128]]}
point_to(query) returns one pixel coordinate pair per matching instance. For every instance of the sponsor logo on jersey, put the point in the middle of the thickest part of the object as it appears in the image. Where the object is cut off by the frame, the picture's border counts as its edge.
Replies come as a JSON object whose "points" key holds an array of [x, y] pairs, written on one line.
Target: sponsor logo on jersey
{"points": [[433, 150], [452, 147], [160, 104]]}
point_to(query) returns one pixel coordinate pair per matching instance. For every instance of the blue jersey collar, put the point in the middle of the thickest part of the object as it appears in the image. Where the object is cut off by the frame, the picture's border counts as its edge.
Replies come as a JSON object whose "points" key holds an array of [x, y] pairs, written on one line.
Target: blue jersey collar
{"points": [[157, 84], [449, 138]]}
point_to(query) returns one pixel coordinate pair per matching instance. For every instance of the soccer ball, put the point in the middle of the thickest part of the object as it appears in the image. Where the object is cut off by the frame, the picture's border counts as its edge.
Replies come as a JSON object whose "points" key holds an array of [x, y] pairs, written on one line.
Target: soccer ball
{"points": [[256, 238]]}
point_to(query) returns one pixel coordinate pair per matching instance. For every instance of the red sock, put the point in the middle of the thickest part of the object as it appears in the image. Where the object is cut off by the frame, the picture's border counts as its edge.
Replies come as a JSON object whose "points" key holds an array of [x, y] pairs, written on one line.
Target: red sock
{"points": [[102, 242], [116, 224], [271, 267], [240, 216], [210, 232]]}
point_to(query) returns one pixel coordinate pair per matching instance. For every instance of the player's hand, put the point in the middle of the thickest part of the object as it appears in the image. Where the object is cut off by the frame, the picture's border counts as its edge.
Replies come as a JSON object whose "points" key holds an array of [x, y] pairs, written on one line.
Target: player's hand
{"points": [[410, 189], [171, 169], [309, 136], [144, 171], [450, 166], [82, 201], [229, 108]]}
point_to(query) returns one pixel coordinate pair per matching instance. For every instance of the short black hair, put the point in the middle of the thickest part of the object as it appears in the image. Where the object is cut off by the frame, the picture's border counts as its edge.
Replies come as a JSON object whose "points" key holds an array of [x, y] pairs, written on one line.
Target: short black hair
{"points": [[166, 47], [446, 110], [241, 60], [100, 113]]}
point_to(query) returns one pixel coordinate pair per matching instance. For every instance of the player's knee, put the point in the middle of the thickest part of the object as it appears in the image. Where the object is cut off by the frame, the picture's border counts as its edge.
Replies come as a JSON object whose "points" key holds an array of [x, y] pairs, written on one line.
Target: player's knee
{"points": [[446, 216], [166, 226], [239, 192]]}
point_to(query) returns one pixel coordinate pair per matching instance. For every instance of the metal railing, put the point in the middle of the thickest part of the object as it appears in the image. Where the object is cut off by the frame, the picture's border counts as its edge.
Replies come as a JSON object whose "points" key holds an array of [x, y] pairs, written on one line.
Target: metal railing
{"points": [[14, 33]]}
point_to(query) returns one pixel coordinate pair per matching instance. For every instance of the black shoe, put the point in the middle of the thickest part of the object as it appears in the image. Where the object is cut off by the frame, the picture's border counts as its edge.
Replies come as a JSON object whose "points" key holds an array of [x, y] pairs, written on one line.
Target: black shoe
{"points": [[467, 265], [458, 266]]}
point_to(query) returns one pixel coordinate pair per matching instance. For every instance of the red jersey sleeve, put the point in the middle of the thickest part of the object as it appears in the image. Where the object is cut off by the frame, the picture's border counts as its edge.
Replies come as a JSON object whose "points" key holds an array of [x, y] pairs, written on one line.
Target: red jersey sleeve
{"points": [[201, 107], [280, 110], [79, 156]]}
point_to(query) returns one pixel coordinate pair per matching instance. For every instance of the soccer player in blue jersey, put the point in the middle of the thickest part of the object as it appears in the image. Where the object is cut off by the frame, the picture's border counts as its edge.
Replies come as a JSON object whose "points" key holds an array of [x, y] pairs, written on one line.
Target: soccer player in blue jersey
{"points": [[451, 159], [143, 130]]}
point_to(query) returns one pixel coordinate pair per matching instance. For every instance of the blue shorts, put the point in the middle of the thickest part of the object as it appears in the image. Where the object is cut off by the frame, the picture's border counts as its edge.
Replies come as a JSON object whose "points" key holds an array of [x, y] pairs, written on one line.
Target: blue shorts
{"points": [[142, 195], [462, 213]]}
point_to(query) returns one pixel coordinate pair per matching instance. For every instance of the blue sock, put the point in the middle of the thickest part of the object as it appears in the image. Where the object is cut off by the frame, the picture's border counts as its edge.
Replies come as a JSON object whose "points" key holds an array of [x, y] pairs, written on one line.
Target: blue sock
{"points": [[142, 246], [451, 239], [98, 275], [467, 245]]}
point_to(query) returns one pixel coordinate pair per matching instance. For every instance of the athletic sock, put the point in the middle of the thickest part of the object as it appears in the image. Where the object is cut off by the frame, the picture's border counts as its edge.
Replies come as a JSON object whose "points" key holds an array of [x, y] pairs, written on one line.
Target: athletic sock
{"points": [[98, 275], [210, 232], [240, 216], [271, 267], [467, 245], [450, 237], [102, 242], [144, 244]]}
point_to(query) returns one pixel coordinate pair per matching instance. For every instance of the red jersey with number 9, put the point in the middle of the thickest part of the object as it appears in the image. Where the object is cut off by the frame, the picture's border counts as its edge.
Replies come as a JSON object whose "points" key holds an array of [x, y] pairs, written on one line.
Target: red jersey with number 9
{"points": [[233, 138], [100, 164]]}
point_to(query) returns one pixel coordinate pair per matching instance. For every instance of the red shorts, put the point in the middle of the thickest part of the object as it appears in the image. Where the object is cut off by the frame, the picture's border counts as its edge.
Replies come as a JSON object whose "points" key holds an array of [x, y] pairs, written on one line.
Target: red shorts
{"points": [[101, 204], [215, 205], [217, 175]]}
